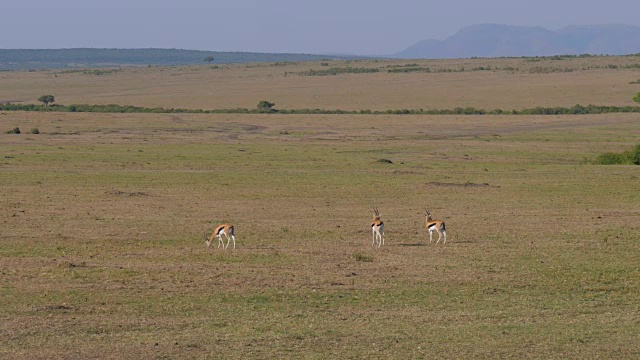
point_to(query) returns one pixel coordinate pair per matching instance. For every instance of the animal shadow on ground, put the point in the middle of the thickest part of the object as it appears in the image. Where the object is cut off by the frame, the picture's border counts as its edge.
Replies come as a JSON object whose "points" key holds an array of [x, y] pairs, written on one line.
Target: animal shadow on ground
{"points": [[412, 244]]}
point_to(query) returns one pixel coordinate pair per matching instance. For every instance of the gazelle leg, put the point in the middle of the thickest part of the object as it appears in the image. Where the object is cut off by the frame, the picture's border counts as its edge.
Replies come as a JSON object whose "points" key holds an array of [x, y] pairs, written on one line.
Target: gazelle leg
{"points": [[430, 236], [234, 241], [374, 237], [228, 240], [439, 234], [445, 237]]}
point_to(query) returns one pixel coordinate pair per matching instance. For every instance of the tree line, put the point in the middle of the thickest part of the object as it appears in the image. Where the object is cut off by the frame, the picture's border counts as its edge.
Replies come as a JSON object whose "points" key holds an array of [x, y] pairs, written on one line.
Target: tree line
{"points": [[269, 107]]}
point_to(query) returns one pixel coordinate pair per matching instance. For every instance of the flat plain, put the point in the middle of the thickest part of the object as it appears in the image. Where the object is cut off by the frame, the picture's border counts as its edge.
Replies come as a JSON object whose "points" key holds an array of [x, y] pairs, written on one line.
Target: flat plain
{"points": [[103, 214]]}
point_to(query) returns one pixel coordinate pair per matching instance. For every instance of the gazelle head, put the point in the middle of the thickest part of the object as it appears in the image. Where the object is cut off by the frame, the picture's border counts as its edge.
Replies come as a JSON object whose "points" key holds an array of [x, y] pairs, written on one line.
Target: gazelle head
{"points": [[206, 239], [428, 214], [376, 214]]}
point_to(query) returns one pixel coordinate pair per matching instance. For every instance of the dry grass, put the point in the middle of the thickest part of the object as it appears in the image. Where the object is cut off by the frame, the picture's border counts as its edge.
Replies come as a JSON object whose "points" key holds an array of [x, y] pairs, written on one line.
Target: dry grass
{"points": [[103, 215], [511, 84]]}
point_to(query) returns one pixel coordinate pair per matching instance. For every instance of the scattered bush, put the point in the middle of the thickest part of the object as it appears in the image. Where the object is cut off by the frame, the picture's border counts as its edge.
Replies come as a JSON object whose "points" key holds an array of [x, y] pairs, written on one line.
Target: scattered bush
{"points": [[15, 130], [338, 71], [47, 99], [34, 131], [409, 69], [624, 158], [100, 72], [266, 106], [634, 155], [610, 158], [284, 63]]}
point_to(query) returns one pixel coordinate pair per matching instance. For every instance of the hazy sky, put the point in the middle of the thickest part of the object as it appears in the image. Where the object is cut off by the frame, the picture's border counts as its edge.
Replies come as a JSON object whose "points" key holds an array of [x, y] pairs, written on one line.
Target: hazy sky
{"points": [[363, 27]]}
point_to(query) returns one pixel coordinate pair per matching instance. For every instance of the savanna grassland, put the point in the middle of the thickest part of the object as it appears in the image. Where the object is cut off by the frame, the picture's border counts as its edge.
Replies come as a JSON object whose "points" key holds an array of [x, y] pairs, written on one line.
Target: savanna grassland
{"points": [[103, 214]]}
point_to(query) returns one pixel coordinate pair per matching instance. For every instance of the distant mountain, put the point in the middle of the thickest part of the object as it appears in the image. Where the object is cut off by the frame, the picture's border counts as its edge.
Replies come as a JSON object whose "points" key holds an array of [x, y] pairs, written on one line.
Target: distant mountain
{"points": [[494, 40], [23, 59]]}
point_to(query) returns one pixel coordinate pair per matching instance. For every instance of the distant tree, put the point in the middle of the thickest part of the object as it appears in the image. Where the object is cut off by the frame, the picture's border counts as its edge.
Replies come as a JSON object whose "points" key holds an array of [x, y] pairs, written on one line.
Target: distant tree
{"points": [[46, 99], [265, 106], [209, 59], [637, 97]]}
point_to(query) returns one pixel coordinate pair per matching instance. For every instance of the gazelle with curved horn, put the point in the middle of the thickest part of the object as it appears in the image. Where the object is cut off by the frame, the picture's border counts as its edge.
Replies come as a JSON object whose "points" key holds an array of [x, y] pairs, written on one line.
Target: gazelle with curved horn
{"points": [[218, 231], [377, 228], [435, 225]]}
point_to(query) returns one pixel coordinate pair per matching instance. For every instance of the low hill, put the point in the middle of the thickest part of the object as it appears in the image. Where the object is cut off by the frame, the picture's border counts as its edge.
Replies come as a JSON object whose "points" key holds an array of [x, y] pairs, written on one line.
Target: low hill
{"points": [[494, 40], [23, 59]]}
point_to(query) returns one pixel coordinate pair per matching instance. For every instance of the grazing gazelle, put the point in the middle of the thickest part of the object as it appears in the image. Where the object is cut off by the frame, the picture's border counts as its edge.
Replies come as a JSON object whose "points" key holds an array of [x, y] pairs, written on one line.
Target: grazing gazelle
{"points": [[377, 228], [435, 225], [222, 229]]}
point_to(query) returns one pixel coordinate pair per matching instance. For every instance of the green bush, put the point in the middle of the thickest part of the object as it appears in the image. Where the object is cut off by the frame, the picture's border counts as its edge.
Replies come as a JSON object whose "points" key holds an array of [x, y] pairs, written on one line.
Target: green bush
{"points": [[47, 99], [339, 71], [634, 155], [610, 158], [266, 106], [15, 130], [624, 158], [409, 69], [34, 131]]}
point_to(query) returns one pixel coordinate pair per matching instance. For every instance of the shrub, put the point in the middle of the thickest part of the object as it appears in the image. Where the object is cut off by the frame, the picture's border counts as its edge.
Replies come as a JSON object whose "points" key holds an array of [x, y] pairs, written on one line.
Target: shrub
{"points": [[34, 131], [637, 97], [634, 155], [409, 69], [266, 106], [47, 99], [338, 71], [631, 156], [15, 130], [610, 158]]}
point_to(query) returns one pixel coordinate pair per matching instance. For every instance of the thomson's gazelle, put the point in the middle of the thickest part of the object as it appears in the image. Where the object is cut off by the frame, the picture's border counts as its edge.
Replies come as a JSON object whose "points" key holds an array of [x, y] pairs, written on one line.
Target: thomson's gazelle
{"points": [[377, 228], [218, 231], [435, 225]]}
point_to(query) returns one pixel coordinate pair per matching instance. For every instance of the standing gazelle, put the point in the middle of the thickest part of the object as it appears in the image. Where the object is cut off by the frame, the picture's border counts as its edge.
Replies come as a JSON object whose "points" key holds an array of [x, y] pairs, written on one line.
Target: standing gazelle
{"points": [[218, 231], [435, 225], [377, 228]]}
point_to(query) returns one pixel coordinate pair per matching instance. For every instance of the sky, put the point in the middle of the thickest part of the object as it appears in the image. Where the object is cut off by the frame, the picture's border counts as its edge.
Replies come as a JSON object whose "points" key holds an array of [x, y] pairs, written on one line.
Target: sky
{"points": [[357, 27]]}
